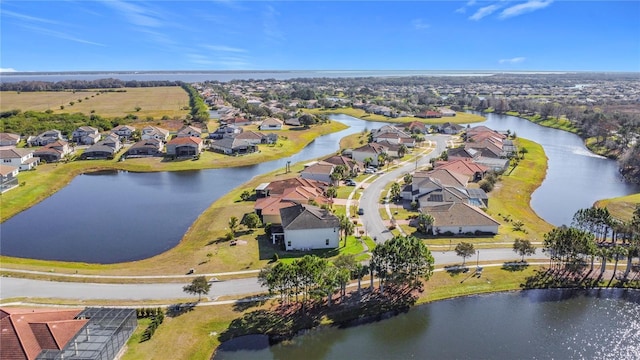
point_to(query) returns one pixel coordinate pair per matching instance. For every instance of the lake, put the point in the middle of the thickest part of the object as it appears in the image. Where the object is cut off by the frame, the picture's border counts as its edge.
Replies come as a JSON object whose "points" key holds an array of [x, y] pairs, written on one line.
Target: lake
{"points": [[120, 216], [532, 324]]}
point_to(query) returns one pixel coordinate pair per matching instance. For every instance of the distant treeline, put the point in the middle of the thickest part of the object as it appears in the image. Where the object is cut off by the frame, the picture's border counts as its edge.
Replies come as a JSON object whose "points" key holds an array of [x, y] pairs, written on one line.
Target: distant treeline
{"points": [[35, 122], [82, 84]]}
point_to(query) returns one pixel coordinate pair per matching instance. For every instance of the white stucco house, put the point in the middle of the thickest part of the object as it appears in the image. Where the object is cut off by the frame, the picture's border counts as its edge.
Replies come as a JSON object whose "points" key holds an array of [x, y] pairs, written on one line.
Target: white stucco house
{"points": [[21, 158], [459, 219], [308, 227]]}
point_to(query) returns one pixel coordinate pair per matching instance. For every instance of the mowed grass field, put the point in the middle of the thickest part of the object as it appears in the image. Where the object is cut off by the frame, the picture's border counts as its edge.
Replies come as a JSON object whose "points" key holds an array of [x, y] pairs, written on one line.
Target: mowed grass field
{"points": [[153, 102]]}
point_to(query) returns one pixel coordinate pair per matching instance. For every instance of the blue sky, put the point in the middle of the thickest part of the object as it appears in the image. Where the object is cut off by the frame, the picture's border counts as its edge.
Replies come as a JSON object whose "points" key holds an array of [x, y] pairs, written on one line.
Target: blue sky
{"points": [[95, 35]]}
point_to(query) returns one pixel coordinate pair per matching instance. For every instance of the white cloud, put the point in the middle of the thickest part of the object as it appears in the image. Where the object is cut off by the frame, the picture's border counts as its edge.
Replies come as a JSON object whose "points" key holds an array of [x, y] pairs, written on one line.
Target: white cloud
{"points": [[418, 24], [529, 6], [7, 70], [270, 25], [135, 14], [463, 9], [484, 11], [224, 48], [60, 35], [29, 17], [515, 60]]}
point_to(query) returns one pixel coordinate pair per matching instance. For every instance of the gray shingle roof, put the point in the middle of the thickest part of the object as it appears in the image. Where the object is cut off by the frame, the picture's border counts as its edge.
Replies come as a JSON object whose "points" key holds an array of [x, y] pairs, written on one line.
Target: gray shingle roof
{"points": [[301, 217]]}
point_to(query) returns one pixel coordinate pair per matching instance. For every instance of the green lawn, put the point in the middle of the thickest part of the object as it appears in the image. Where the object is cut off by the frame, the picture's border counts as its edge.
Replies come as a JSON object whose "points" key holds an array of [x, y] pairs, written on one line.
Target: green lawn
{"points": [[621, 207]]}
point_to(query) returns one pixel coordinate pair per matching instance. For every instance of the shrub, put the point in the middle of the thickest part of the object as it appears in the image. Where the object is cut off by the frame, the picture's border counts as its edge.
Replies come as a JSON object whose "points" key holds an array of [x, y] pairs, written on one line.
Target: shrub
{"points": [[485, 185]]}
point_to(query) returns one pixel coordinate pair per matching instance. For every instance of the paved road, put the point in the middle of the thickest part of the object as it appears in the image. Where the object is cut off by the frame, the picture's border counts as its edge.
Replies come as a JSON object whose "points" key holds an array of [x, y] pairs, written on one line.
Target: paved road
{"points": [[18, 287], [370, 199]]}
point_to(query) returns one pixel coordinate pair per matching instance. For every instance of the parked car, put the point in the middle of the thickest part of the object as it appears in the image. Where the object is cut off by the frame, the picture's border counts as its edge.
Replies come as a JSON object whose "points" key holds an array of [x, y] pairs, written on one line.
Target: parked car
{"points": [[360, 211], [369, 171], [350, 182]]}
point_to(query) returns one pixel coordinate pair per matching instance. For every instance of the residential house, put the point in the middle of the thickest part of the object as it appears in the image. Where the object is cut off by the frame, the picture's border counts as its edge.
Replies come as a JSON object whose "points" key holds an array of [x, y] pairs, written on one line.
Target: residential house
{"points": [[233, 145], [23, 159], [319, 171], [9, 139], [45, 138], [417, 127], [271, 124], [279, 187], [292, 122], [307, 227], [353, 167], [8, 177], [460, 219], [447, 112], [369, 151], [473, 171], [268, 207], [47, 333], [237, 121], [154, 132], [253, 137], [185, 146], [123, 131], [225, 131], [449, 128], [189, 131], [107, 148], [429, 114], [425, 182], [85, 135], [148, 147], [53, 152], [393, 135]]}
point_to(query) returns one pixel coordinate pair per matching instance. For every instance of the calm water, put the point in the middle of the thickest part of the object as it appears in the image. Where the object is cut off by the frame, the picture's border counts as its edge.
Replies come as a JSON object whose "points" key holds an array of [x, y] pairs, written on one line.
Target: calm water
{"points": [[536, 324], [576, 178], [224, 76], [121, 216]]}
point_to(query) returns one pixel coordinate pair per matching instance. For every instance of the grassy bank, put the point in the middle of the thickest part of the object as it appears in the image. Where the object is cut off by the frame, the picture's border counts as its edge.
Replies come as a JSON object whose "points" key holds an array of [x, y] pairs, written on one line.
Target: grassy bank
{"points": [[460, 118], [49, 178], [552, 122], [621, 207]]}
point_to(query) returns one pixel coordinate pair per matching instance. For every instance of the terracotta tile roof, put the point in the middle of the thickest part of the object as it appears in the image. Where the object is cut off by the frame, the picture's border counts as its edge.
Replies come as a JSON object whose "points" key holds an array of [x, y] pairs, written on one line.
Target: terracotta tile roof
{"points": [[26, 332], [279, 186], [444, 176], [185, 140], [463, 167]]}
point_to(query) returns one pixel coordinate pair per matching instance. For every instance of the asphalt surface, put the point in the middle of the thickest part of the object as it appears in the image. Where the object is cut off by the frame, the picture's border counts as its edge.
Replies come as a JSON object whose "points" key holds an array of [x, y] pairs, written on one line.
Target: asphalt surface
{"points": [[370, 200], [19, 287]]}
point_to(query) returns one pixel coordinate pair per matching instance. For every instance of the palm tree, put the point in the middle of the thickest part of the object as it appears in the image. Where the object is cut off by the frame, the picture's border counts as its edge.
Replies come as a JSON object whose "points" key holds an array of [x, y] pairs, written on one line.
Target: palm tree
{"points": [[233, 225], [395, 191], [425, 221], [367, 161]]}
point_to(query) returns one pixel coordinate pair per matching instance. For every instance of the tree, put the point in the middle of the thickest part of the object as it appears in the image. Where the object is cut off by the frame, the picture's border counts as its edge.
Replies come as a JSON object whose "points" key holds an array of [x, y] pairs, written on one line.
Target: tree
{"points": [[246, 195], [425, 221], [523, 247], [523, 150], [402, 260], [395, 191], [199, 286], [368, 161], [306, 120], [233, 225], [251, 220], [331, 192], [408, 178], [346, 226], [465, 250]]}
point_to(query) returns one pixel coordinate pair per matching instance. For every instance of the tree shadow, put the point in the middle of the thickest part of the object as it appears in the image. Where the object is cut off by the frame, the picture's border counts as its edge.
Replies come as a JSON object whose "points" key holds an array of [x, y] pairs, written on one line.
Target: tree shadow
{"points": [[515, 266], [248, 302], [178, 309]]}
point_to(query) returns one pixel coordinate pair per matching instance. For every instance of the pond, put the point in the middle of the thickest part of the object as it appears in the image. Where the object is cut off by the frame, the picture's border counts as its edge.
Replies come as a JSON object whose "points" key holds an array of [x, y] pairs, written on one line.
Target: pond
{"points": [[118, 216], [533, 324]]}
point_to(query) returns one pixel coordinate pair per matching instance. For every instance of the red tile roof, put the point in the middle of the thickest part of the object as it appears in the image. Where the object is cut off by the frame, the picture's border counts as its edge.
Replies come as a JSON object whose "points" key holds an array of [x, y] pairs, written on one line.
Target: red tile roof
{"points": [[25, 332]]}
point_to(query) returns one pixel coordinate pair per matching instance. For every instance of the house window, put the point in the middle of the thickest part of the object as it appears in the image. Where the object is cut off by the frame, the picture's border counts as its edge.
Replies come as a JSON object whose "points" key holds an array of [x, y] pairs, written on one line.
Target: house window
{"points": [[7, 160], [289, 243], [459, 229], [327, 242]]}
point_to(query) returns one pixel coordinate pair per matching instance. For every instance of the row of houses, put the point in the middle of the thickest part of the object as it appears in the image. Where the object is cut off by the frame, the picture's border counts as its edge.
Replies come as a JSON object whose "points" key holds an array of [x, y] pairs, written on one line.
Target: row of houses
{"points": [[294, 207], [444, 194], [486, 147]]}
